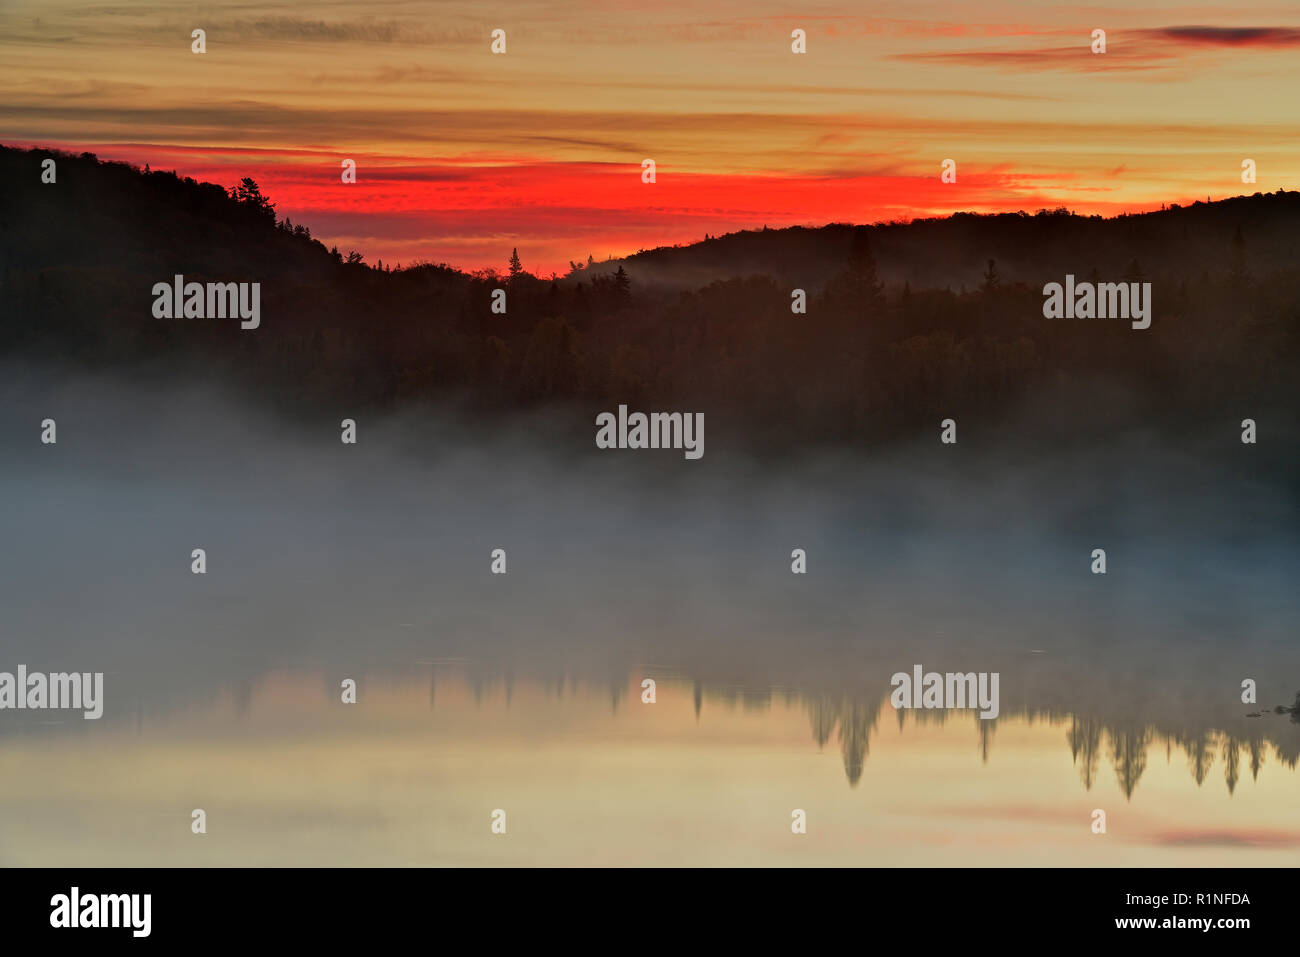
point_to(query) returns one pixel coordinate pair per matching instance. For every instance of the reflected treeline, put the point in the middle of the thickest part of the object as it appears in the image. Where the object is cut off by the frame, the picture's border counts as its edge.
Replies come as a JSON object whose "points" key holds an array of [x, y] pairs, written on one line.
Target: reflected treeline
{"points": [[1127, 750], [848, 722], [842, 720], [851, 720]]}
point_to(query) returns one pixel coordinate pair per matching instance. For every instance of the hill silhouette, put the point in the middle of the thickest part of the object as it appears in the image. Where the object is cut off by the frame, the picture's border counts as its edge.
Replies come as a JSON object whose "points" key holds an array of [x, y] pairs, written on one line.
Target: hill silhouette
{"points": [[954, 251], [905, 324]]}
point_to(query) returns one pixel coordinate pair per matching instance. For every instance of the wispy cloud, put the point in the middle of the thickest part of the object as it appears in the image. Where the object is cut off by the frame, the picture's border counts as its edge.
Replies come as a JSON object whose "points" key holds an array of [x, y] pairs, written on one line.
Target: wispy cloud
{"points": [[1076, 57], [1127, 50], [348, 31], [1232, 36]]}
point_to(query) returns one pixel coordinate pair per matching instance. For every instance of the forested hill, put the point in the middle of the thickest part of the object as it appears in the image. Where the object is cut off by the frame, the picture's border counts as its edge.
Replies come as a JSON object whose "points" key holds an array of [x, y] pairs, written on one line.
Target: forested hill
{"points": [[905, 324], [954, 251]]}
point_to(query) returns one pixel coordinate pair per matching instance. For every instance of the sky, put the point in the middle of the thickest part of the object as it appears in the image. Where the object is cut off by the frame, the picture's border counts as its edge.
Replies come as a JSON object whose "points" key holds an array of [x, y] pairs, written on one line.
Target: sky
{"points": [[463, 155]]}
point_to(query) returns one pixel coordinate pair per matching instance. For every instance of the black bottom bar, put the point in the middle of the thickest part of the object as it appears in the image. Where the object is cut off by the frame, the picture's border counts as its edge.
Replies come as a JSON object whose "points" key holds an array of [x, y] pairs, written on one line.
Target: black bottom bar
{"points": [[986, 906]]}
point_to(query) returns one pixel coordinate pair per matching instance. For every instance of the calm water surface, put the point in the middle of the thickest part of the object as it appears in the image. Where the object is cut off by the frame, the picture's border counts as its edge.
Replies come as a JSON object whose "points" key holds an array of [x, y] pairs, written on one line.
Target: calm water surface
{"points": [[523, 692]]}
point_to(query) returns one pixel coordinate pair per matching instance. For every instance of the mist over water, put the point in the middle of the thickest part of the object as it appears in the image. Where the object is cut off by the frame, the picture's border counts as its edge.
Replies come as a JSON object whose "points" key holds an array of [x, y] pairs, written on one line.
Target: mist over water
{"points": [[371, 561]]}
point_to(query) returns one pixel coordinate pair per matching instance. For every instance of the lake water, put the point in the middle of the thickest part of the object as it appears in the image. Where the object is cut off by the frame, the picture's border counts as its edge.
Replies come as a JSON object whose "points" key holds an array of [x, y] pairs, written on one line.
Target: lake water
{"points": [[523, 692]]}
